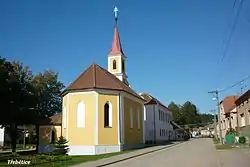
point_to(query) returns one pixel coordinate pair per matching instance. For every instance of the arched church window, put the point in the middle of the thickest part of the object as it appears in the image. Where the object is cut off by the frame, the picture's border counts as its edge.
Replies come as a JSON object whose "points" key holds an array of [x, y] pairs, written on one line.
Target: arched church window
{"points": [[114, 64], [108, 115]]}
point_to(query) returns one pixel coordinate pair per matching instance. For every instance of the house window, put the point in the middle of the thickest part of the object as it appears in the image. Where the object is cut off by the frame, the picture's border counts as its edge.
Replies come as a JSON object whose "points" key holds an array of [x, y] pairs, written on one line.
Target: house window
{"points": [[159, 114], [53, 136], [131, 118], [114, 64], [81, 115], [138, 119], [108, 115]]}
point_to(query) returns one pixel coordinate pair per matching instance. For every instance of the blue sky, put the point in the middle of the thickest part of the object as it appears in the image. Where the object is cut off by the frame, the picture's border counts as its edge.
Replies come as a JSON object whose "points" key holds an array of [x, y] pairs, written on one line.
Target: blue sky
{"points": [[172, 46]]}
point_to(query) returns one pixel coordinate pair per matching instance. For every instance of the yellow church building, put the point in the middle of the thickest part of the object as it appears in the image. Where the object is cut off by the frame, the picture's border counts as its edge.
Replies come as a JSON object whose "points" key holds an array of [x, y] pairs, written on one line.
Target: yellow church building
{"points": [[101, 112]]}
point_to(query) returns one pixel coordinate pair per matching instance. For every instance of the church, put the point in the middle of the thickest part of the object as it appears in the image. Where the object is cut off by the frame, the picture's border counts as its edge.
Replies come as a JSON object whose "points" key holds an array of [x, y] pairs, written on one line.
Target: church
{"points": [[101, 112]]}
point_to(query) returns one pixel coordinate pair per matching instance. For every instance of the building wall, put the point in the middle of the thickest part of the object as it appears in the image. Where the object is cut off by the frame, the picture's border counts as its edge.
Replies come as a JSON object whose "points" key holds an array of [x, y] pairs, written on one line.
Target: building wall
{"points": [[244, 113], [75, 135], [45, 137], [233, 117], [149, 124], [108, 135], [93, 138], [158, 117], [223, 121], [45, 134], [133, 135], [82, 138], [118, 64]]}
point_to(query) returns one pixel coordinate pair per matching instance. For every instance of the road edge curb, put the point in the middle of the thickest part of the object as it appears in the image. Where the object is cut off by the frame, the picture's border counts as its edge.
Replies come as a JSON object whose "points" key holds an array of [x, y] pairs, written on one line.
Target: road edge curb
{"points": [[138, 155]]}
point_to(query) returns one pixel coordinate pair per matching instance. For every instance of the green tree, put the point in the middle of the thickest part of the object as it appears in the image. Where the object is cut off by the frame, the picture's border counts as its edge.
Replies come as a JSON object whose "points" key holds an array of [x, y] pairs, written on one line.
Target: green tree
{"points": [[191, 114], [48, 91], [176, 112], [18, 94]]}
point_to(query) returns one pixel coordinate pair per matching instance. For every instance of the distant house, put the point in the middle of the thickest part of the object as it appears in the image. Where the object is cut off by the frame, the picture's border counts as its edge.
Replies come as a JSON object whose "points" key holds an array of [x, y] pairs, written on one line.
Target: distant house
{"points": [[49, 131], [243, 105], [157, 120], [1, 137], [228, 114]]}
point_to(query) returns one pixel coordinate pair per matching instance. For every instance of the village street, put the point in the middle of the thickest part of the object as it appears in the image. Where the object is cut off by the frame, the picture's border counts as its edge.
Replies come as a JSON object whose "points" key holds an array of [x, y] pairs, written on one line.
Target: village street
{"points": [[193, 153]]}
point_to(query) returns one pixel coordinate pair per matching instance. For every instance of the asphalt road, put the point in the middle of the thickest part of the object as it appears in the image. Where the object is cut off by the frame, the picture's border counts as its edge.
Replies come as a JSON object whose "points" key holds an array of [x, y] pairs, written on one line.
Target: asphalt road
{"points": [[195, 153]]}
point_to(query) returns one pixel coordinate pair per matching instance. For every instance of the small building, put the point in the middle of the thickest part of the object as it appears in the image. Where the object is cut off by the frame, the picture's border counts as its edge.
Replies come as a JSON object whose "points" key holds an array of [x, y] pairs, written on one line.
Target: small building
{"points": [[243, 106], [157, 118], [49, 131], [228, 114]]}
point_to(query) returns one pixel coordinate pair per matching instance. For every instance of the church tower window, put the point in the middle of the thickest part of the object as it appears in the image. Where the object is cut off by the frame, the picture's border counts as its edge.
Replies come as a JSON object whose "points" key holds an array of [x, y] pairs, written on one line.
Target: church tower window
{"points": [[114, 64]]}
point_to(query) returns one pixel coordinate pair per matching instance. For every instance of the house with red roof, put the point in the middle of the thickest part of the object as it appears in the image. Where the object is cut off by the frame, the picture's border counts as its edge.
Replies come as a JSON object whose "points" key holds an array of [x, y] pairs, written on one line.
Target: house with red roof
{"points": [[228, 114]]}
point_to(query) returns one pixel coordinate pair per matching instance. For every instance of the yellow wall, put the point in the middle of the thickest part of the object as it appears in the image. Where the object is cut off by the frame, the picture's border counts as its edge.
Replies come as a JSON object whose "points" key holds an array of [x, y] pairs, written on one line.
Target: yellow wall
{"points": [[118, 64], [107, 136], [45, 133], [132, 135], [81, 136]]}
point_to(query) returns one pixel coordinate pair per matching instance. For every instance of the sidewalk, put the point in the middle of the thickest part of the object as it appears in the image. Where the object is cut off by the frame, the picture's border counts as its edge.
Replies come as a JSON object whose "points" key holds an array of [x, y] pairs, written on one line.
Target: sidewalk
{"points": [[125, 156], [234, 158]]}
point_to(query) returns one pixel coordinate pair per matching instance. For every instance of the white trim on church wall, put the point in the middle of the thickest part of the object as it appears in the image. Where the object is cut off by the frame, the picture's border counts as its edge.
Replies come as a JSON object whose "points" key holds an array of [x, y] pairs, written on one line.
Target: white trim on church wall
{"points": [[96, 119], [67, 118], [122, 119], [119, 119], [109, 92]]}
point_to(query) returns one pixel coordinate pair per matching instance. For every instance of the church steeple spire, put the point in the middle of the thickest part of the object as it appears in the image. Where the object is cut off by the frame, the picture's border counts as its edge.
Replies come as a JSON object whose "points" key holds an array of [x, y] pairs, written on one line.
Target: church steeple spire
{"points": [[116, 43], [116, 57]]}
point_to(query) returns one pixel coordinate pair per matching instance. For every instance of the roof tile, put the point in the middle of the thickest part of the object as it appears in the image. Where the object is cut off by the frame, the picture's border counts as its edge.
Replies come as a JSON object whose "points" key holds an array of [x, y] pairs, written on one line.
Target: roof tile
{"points": [[96, 77]]}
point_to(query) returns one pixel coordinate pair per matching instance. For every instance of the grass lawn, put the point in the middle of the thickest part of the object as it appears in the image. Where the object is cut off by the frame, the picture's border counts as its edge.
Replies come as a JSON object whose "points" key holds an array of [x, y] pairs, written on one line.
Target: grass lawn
{"points": [[56, 161]]}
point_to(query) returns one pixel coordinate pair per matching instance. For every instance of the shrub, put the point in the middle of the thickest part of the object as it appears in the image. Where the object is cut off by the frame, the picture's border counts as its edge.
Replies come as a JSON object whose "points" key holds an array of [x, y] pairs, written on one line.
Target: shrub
{"points": [[242, 139], [61, 147], [231, 131]]}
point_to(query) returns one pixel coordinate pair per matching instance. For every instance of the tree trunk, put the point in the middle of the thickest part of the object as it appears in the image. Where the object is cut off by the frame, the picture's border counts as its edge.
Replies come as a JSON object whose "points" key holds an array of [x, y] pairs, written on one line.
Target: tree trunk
{"points": [[13, 128], [37, 138]]}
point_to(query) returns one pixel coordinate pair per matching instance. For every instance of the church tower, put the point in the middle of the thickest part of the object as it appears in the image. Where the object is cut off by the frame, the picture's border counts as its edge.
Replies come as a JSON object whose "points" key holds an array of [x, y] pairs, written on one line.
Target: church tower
{"points": [[116, 57]]}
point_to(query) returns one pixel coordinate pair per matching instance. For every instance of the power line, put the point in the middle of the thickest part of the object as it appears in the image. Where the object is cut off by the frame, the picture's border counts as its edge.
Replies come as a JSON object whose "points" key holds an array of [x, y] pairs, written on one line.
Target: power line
{"points": [[232, 31], [234, 3], [237, 83]]}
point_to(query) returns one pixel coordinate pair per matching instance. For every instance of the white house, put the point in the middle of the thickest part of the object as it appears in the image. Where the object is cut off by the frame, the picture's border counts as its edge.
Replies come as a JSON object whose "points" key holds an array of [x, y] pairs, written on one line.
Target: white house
{"points": [[1, 137], [157, 121]]}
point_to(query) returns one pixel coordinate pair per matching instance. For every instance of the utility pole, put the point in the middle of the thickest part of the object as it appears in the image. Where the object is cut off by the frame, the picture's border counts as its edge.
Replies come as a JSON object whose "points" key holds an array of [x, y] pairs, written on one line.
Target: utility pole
{"points": [[216, 92], [215, 121]]}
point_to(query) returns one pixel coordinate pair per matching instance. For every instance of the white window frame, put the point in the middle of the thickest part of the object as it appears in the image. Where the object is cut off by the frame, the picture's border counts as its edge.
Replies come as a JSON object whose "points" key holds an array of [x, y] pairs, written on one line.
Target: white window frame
{"points": [[81, 115]]}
